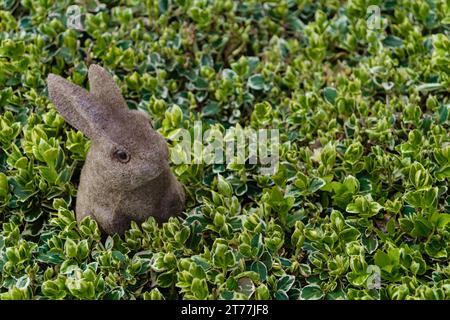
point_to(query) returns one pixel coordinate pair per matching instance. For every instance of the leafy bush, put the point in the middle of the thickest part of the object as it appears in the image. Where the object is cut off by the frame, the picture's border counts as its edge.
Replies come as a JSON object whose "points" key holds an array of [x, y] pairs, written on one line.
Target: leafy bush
{"points": [[362, 182]]}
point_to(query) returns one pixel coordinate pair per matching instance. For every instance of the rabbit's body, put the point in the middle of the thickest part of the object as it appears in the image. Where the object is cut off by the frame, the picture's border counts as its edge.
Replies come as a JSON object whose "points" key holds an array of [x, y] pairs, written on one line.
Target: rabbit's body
{"points": [[115, 209], [126, 176]]}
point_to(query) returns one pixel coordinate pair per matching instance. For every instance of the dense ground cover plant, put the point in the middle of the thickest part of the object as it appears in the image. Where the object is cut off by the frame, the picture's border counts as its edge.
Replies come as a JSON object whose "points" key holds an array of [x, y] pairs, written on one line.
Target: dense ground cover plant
{"points": [[362, 182]]}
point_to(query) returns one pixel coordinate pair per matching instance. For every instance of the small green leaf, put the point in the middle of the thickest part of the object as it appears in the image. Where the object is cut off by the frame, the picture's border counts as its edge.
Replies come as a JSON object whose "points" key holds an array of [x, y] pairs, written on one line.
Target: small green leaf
{"points": [[224, 186], [443, 220], [427, 87], [285, 282], [246, 286], [211, 109], [330, 94], [262, 292], [4, 187], [311, 292], [163, 6], [316, 184], [70, 248], [256, 82], [260, 268], [443, 113], [356, 278], [393, 41], [281, 295]]}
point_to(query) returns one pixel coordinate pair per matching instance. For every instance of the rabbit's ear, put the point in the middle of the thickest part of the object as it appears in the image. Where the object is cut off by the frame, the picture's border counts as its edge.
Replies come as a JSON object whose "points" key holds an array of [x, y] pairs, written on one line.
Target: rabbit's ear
{"points": [[104, 89], [73, 102]]}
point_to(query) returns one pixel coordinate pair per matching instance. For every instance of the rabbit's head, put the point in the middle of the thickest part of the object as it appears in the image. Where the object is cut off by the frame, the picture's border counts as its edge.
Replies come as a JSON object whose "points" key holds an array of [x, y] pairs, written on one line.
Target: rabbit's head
{"points": [[126, 151]]}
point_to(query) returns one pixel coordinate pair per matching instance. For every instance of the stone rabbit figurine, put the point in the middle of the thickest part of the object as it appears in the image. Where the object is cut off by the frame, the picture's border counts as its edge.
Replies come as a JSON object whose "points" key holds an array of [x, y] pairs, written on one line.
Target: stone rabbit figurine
{"points": [[126, 176]]}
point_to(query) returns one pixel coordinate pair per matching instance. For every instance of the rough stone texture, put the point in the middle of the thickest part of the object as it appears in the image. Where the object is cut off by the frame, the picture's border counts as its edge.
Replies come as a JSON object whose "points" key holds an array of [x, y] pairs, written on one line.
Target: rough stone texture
{"points": [[115, 191]]}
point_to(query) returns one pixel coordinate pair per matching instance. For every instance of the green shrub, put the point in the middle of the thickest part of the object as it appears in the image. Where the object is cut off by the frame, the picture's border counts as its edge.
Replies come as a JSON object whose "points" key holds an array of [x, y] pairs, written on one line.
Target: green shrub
{"points": [[362, 183]]}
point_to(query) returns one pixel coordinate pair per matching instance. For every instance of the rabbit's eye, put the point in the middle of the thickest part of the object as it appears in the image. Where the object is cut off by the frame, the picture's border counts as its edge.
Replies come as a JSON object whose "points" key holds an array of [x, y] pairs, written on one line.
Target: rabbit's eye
{"points": [[122, 156]]}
